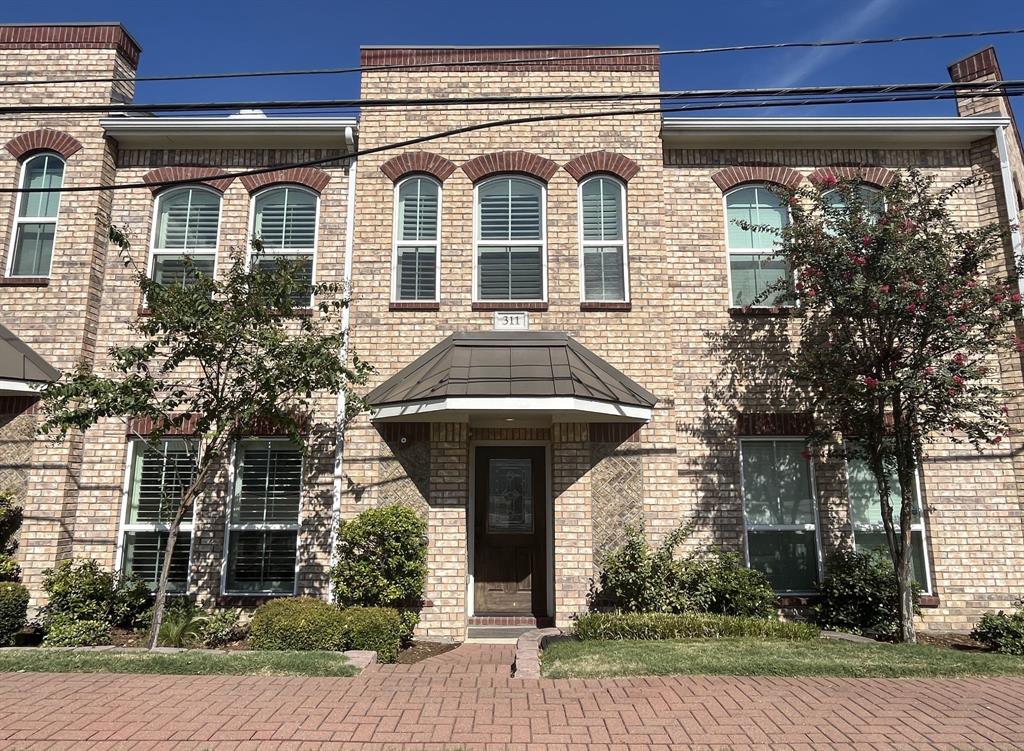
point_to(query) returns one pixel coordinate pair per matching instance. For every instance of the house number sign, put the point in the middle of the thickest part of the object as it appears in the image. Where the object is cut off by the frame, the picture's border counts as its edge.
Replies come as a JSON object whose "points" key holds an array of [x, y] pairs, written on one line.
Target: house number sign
{"points": [[511, 321]]}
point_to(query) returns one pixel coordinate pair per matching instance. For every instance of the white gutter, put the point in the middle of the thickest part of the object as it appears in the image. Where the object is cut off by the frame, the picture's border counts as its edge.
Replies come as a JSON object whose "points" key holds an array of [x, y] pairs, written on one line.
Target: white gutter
{"points": [[1010, 194], [785, 124], [340, 414], [122, 126]]}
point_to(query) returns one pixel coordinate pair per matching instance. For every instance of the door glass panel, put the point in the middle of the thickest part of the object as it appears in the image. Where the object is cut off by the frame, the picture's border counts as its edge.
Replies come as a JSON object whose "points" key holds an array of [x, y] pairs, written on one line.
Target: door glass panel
{"points": [[510, 505]]}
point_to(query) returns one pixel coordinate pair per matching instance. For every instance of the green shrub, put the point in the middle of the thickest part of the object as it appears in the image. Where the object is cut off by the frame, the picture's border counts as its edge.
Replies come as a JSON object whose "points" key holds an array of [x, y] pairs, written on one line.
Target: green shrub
{"points": [[80, 589], [301, 623], [377, 629], [131, 599], [859, 595], [13, 609], [637, 579], [10, 571], [223, 627], [181, 628], [10, 522], [66, 632], [646, 626], [382, 561], [1002, 632]]}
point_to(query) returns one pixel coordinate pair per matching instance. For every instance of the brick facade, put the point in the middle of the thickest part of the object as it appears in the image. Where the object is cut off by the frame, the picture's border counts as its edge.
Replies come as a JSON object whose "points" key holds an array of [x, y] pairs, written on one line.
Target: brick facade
{"points": [[718, 372]]}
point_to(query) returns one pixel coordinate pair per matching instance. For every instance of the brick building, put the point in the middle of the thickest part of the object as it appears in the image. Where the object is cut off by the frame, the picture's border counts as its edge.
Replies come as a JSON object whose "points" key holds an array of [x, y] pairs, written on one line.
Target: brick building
{"points": [[556, 311]]}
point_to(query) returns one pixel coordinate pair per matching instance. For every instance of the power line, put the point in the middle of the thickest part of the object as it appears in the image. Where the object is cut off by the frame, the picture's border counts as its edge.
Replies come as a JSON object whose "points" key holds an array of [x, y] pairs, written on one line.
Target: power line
{"points": [[525, 60], [314, 104], [936, 96]]}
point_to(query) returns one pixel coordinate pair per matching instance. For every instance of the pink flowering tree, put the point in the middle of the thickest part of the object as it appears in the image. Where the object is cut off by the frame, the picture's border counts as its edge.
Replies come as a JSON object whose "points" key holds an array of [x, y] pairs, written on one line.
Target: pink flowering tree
{"points": [[904, 312]]}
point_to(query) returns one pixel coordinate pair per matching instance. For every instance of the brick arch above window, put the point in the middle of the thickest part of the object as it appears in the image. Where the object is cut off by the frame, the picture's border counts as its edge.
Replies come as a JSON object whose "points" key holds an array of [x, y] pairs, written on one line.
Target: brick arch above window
{"points": [[510, 161], [602, 161], [418, 161], [873, 175], [313, 178], [44, 139], [730, 177], [208, 176]]}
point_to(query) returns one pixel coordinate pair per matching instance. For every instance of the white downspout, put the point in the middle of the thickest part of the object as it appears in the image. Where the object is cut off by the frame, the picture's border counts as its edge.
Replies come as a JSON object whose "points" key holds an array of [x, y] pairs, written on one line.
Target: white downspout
{"points": [[1012, 209], [339, 449]]}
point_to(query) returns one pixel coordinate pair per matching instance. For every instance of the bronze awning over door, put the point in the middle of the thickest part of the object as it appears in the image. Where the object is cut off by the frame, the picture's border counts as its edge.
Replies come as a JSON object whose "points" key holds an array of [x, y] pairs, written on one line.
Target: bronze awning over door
{"points": [[510, 372]]}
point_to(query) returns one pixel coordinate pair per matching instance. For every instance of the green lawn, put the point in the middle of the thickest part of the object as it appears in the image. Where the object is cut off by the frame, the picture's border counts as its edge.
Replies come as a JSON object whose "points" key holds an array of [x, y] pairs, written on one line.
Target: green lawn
{"points": [[600, 659], [180, 663]]}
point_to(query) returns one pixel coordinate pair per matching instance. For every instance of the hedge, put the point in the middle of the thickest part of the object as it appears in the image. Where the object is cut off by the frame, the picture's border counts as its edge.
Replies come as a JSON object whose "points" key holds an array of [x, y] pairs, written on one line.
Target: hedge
{"points": [[13, 609], [649, 626], [299, 623]]}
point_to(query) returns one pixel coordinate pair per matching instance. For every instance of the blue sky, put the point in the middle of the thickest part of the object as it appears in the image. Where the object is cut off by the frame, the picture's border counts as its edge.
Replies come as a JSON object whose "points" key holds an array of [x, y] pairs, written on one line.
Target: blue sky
{"points": [[193, 36]]}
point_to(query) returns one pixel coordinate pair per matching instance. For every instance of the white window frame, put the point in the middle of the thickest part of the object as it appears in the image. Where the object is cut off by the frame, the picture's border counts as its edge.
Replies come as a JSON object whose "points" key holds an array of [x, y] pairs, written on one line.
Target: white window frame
{"points": [[289, 252], [398, 243], [816, 527], [136, 445], [623, 243], [542, 242], [235, 478], [155, 229], [730, 252], [920, 526], [19, 220]]}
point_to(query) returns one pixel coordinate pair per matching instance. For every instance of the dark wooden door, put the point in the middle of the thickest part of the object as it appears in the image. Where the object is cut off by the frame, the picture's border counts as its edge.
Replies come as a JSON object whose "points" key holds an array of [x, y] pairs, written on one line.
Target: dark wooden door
{"points": [[510, 549]]}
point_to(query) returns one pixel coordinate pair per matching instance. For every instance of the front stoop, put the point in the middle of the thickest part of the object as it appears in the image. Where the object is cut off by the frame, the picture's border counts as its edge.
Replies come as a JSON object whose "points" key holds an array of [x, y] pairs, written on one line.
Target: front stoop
{"points": [[528, 647]]}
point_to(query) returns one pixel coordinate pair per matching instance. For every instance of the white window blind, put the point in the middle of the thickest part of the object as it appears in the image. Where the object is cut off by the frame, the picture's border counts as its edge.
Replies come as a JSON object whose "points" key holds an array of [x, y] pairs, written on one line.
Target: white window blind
{"points": [[157, 478], [510, 242], [753, 266], [264, 521], [284, 220], [416, 239], [35, 223], [603, 237], [780, 512], [185, 236]]}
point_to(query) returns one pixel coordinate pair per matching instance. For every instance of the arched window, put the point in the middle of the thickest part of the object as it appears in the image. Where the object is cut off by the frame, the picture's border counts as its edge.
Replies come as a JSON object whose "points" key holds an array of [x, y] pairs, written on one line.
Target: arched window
{"points": [[603, 240], [285, 221], [35, 218], [510, 240], [185, 234], [417, 238], [753, 264], [865, 197]]}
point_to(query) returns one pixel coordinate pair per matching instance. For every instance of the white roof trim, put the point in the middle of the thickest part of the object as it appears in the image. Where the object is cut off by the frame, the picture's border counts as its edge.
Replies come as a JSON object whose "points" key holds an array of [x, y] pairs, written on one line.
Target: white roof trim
{"points": [[446, 409], [775, 124], [11, 386], [187, 132]]}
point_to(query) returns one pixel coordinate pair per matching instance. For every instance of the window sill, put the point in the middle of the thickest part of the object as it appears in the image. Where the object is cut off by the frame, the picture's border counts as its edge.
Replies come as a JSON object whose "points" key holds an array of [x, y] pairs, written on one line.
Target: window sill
{"points": [[247, 601], [510, 305], [798, 601], [775, 312], [610, 306], [143, 312], [417, 305], [929, 601], [25, 281]]}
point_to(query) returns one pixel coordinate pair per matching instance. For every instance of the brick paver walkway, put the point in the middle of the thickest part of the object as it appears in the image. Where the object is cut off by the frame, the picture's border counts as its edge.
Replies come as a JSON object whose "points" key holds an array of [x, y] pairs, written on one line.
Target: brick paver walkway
{"points": [[465, 699]]}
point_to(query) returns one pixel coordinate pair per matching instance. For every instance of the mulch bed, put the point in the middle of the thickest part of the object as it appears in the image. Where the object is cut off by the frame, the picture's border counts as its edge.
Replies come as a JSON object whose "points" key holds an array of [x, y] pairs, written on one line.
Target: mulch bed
{"points": [[421, 650], [961, 642]]}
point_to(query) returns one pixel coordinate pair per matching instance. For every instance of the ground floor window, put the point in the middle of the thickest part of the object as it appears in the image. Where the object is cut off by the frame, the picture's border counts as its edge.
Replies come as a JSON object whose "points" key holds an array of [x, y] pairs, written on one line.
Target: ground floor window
{"points": [[157, 476], [780, 513], [866, 517], [263, 526]]}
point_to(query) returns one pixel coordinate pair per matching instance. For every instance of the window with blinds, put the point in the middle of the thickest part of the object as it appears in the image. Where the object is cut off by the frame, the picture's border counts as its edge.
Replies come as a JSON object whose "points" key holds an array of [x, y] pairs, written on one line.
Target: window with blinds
{"points": [[263, 526], [603, 238], [510, 240], [753, 266], [417, 216], [35, 220], [284, 220], [157, 478], [185, 235]]}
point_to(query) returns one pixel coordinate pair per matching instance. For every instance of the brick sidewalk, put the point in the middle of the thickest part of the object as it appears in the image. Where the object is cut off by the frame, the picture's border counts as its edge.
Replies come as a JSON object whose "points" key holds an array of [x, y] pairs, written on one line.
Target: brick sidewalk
{"points": [[465, 699]]}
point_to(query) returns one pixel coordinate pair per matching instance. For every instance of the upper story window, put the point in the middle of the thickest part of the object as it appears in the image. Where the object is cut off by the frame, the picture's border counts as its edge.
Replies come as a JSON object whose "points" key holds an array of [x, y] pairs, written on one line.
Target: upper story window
{"points": [[416, 260], [753, 264], [35, 218], [185, 235], [869, 198], [285, 221], [510, 240], [603, 240]]}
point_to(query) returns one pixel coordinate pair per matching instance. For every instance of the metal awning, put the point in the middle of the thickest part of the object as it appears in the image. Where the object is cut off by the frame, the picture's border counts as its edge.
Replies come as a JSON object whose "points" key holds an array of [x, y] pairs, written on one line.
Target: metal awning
{"points": [[22, 370], [490, 372]]}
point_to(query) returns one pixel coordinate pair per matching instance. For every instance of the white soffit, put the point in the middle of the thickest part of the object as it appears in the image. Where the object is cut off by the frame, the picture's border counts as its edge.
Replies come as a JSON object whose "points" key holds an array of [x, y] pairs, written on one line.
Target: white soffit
{"points": [[232, 131]]}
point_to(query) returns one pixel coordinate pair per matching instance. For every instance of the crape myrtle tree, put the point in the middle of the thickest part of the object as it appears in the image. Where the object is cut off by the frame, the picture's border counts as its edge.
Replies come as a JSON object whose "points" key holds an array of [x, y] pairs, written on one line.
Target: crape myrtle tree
{"points": [[904, 311], [213, 359]]}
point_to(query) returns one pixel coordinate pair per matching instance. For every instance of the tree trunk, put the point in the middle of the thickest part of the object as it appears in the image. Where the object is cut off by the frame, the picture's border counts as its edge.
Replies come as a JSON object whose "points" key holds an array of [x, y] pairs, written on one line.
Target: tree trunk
{"points": [[160, 597], [905, 589]]}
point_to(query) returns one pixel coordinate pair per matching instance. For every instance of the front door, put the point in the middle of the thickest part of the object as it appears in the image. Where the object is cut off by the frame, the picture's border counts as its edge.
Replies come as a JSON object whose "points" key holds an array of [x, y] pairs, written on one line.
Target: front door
{"points": [[510, 547]]}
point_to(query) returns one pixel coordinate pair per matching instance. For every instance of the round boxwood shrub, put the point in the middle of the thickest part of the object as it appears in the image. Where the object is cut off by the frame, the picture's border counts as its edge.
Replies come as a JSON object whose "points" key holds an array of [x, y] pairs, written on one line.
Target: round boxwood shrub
{"points": [[66, 632], [297, 623], [1002, 632], [13, 610], [378, 629], [859, 595]]}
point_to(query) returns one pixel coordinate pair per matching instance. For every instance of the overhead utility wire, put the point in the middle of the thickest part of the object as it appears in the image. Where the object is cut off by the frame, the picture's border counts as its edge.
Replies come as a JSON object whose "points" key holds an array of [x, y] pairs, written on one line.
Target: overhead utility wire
{"points": [[1017, 91], [310, 104], [525, 60]]}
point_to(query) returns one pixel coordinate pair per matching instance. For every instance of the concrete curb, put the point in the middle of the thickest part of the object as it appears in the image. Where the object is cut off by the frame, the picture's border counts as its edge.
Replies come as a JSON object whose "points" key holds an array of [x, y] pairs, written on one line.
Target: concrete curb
{"points": [[844, 636], [358, 658], [528, 649]]}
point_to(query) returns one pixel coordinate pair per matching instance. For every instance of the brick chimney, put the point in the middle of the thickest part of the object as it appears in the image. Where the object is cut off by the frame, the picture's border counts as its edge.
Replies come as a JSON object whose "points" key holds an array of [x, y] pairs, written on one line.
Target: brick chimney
{"points": [[981, 66]]}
